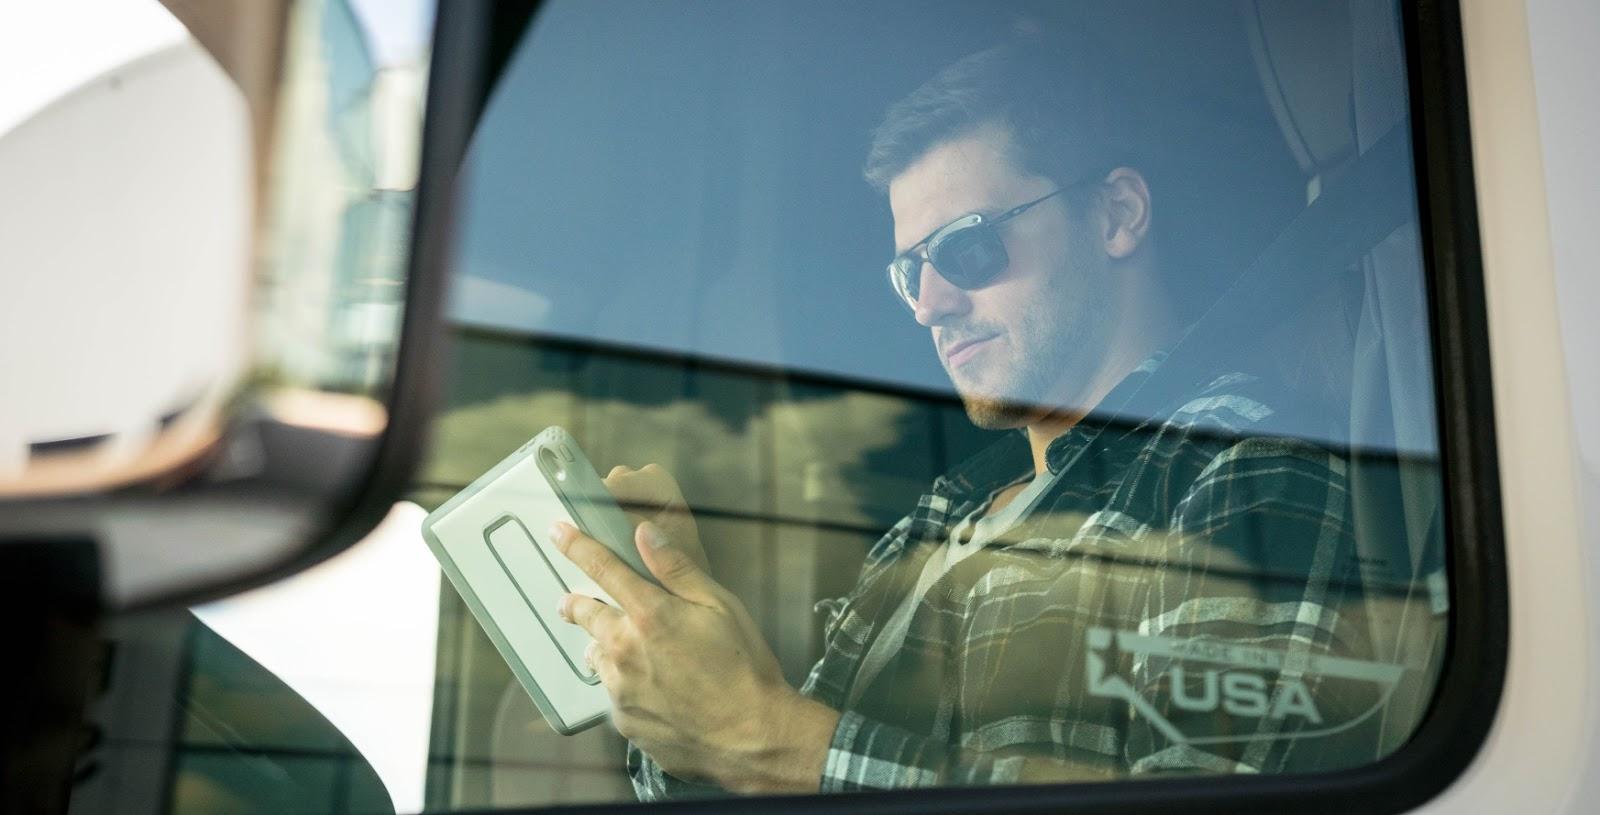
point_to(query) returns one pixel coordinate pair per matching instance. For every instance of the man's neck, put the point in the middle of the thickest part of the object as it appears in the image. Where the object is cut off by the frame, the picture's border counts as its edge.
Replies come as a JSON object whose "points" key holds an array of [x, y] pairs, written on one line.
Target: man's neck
{"points": [[1136, 343], [1047, 430], [1051, 426]]}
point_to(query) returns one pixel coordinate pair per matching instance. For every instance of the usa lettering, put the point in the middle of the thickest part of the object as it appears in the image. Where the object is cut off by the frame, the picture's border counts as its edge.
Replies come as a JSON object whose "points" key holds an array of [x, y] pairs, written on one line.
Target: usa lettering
{"points": [[1240, 694]]}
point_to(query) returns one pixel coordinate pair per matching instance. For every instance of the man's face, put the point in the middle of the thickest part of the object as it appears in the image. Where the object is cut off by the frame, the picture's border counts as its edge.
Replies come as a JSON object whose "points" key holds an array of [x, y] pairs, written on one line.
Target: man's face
{"points": [[1023, 345]]}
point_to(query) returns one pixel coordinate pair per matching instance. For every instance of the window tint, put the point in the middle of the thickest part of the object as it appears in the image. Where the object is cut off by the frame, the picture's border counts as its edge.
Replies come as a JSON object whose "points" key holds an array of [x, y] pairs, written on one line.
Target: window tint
{"points": [[1049, 389]]}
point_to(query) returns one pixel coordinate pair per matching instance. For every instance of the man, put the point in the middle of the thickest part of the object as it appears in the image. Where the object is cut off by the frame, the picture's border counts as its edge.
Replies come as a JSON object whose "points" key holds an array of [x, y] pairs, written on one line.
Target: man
{"points": [[1038, 617]]}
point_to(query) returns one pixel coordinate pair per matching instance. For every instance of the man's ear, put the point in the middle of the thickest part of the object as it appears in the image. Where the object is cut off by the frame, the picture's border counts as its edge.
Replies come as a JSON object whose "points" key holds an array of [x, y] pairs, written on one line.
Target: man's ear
{"points": [[1126, 212]]}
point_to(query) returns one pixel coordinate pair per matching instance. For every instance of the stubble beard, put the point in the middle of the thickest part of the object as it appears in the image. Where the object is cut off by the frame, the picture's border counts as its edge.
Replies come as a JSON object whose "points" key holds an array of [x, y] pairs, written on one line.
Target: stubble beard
{"points": [[991, 405], [989, 413], [1055, 356], [1019, 391]]}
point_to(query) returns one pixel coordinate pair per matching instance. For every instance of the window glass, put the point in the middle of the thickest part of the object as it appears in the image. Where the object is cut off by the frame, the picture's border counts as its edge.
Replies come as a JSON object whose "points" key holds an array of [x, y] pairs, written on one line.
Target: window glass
{"points": [[1048, 387]]}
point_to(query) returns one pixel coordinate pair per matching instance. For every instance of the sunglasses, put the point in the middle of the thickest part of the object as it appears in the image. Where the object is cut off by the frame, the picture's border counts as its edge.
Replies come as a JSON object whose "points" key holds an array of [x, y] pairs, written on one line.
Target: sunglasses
{"points": [[968, 251]]}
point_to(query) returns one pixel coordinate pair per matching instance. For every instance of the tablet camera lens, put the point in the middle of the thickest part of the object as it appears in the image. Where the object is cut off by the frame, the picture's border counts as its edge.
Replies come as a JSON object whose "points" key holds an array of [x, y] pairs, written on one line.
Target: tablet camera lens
{"points": [[551, 464]]}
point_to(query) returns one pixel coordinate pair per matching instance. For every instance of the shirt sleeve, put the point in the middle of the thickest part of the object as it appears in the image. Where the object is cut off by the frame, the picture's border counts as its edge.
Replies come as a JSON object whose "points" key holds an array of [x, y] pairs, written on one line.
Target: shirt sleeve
{"points": [[651, 783], [870, 755], [864, 755]]}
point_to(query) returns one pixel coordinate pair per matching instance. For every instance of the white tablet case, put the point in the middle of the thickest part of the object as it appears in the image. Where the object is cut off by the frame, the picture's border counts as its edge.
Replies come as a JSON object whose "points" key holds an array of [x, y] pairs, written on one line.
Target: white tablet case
{"points": [[491, 541]]}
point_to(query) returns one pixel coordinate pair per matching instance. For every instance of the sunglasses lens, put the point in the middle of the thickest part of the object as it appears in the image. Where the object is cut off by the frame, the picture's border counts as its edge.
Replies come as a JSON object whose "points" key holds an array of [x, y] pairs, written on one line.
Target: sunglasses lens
{"points": [[905, 274], [967, 254], [970, 257]]}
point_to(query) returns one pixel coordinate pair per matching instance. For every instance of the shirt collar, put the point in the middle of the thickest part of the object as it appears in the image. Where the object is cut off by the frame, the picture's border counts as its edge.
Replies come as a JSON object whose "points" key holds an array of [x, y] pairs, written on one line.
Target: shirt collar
{"points": [[1112, 408]]}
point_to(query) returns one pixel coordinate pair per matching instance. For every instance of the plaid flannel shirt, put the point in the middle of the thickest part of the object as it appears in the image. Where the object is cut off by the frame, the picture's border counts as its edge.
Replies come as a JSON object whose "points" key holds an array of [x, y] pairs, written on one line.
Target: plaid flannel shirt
{"points": [[1185, 598]]}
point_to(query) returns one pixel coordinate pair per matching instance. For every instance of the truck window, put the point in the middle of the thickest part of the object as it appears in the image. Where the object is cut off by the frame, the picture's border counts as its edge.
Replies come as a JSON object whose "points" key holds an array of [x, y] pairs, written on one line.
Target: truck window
{"points": [[1050, 388]]}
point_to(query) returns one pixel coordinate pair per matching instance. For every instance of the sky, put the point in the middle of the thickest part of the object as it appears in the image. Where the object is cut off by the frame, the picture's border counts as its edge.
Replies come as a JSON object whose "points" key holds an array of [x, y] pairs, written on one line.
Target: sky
{"points": [[399, 30]]}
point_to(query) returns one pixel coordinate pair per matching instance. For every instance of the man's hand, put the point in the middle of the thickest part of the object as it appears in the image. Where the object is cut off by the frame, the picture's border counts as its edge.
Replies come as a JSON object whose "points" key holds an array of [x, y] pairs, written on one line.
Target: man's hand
{"points": [[691, 681], [650, 494]]}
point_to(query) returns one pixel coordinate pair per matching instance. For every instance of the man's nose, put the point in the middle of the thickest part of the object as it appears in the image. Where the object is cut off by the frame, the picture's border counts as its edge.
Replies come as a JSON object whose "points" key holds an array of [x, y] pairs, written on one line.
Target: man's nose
{"points": [[937, 299]]}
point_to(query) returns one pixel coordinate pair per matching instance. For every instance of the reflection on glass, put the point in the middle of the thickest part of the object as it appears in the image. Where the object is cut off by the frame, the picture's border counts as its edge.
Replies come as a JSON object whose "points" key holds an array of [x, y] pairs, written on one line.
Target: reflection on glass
{"points": [[1154, 444], [250, 743], [344, 176], [99, 395]]}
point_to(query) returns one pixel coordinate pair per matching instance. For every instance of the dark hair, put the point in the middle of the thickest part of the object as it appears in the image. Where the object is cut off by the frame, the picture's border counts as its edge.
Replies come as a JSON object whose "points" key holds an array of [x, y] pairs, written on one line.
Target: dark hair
{"points": [[1074, 107], [1059, 101]]}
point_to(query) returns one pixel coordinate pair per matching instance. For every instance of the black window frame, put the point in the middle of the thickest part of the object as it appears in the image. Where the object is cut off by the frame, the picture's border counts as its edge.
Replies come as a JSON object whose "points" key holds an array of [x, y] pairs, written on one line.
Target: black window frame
{"points": [[475, 40]]}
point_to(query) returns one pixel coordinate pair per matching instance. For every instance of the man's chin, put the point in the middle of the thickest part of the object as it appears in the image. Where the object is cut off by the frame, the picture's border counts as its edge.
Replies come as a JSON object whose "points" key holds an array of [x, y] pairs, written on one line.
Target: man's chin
{"points": [[997, 414]]}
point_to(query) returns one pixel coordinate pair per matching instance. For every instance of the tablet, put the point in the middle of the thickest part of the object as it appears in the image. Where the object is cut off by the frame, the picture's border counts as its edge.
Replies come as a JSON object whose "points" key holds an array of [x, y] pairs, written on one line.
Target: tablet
{"points": [[490, 540]]}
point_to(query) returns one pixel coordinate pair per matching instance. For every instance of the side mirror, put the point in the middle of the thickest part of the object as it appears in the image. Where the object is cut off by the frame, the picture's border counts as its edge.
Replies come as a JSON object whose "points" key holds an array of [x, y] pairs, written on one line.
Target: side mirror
{"points": [[225, 269]]}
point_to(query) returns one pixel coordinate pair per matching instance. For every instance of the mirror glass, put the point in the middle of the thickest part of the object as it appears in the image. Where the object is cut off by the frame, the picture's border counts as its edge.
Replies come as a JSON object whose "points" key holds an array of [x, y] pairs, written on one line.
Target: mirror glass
{"points": [[206, 225]]}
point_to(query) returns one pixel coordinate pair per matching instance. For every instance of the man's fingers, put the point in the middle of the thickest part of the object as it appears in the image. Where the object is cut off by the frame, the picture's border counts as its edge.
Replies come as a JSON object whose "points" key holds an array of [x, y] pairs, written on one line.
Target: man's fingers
{"points": [[603, 625], [590, 614], [678, 572], [647, 489], [601, 565]]}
